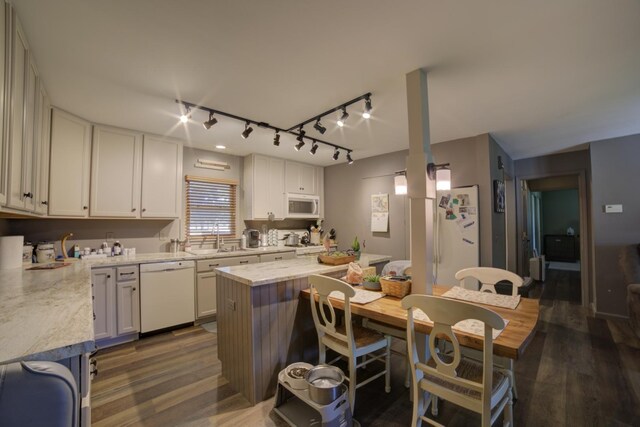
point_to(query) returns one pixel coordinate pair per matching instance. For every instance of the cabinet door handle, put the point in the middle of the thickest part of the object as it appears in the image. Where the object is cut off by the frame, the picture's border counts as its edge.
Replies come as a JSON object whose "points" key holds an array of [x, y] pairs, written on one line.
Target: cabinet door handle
{"points": [[44, 202], [85, 207], [144, 210], [133, 289], [128, 274], [214, 265], [278, 258], [244, 262], [133, 209], [108, 276], [94, 316], [29, 195]]}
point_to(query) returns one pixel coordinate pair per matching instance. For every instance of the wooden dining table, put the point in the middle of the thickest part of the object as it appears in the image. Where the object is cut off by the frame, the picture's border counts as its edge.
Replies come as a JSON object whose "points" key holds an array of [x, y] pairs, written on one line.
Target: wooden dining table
{"points": [[511, 343]]}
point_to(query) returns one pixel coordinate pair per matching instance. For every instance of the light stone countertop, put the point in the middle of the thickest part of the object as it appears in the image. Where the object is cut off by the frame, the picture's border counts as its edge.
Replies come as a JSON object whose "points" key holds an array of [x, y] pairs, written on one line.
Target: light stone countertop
{"points": [[48, 314], [278, 271]]}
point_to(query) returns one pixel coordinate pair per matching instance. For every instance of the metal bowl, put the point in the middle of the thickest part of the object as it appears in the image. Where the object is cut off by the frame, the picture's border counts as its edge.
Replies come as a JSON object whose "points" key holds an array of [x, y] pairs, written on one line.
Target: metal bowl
{"points": [[295, 375], [325, 384]]}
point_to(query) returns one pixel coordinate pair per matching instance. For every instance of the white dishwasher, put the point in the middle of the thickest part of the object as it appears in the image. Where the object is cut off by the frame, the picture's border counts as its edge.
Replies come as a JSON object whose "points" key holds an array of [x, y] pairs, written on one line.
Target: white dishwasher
{"points": [[166, 294]]}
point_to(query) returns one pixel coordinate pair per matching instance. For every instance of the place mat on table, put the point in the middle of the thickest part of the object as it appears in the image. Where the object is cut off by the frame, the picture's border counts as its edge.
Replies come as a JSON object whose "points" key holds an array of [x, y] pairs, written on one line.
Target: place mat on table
{"points": [[361, 296], [469, 326], [497, 300]]}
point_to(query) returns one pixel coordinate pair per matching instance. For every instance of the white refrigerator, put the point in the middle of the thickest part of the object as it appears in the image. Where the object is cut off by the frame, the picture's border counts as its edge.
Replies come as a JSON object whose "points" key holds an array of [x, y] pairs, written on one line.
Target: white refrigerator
{"points": [[457, 236]]}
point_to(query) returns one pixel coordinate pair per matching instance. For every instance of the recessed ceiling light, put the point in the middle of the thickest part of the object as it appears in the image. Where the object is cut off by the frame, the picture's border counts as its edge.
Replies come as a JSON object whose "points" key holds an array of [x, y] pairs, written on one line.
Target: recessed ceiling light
{"points": [[221, 147]]}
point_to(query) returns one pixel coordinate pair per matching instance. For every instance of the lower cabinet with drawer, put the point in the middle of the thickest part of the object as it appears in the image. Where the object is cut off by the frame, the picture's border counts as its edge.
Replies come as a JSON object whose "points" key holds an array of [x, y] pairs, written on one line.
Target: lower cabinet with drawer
{"points": [[280, 256], [206, 282], [116, 304]]}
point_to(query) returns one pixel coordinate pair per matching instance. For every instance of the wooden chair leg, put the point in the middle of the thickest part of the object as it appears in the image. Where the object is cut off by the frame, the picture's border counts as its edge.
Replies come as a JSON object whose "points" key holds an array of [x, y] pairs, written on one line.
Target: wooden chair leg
{"points": [[322, 354], [352, 383], [387, 363], [512, 376], [418, 406]]}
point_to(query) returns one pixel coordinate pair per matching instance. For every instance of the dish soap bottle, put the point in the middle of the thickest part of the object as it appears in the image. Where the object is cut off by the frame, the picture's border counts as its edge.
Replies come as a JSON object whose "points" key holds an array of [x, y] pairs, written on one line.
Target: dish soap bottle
{"points": [[117, 248]]}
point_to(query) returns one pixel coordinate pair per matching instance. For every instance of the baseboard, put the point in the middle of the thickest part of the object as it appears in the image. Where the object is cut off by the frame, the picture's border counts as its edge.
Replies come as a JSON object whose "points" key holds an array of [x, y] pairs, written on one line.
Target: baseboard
{"points": [[610, 316]]}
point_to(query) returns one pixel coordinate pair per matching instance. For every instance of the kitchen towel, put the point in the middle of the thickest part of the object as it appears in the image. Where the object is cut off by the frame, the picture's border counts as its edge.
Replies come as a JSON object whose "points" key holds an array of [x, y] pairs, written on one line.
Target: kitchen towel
{"points": [[11, 252]]}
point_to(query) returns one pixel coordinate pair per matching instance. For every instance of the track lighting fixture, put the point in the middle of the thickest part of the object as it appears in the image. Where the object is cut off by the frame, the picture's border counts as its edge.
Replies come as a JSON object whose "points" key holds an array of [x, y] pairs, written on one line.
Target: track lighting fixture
{"points": [[314, 147], [318, 126], [343, 117], [247, 130], [212, 121], [349, 159], [184, 118], [299, 145], [336, 154], [276, 139], [367, 108], [301, 135]]}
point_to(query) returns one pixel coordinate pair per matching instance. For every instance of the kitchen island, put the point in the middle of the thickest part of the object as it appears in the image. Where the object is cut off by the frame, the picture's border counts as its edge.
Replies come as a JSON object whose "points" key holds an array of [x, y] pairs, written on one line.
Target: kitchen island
{"points": [[257, 308]]}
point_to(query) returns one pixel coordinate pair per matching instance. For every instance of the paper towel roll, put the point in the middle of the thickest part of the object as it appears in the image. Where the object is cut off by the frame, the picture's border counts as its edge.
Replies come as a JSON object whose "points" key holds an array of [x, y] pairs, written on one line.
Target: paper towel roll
{"points": [[11, 252]]}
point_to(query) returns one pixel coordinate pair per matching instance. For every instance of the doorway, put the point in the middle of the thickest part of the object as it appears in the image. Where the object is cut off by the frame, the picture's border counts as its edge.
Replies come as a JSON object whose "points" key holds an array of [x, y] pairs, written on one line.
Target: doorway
{"points": [[553, 222]]}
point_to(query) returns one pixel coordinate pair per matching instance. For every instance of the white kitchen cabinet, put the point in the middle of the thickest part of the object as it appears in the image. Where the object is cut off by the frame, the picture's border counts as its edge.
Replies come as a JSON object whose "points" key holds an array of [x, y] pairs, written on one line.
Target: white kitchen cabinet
{"points": [[128, 307], [5, 100], [20, 146], [300, 178], [115, 172], [281, 256], [43, 138], [69, 165], [103, 283], [206, 281], [161, 178], [264, 191]]}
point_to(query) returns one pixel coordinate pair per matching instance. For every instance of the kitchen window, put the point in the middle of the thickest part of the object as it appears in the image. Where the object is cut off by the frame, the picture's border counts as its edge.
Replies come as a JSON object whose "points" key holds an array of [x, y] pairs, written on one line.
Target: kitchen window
{"points": [[210, 202]]}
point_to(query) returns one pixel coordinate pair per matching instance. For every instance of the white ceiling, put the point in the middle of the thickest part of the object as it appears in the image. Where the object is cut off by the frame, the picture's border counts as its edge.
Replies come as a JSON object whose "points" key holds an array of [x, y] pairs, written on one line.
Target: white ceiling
{"points": [[541, 76]]}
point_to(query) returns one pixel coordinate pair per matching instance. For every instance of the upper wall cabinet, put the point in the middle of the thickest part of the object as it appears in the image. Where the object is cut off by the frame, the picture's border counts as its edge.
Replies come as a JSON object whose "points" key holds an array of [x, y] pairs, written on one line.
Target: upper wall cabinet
{"points": [[43, 137], [116, 158], [264, 191], [300, 178], [69, 165], [161, 178], [5, 12]]}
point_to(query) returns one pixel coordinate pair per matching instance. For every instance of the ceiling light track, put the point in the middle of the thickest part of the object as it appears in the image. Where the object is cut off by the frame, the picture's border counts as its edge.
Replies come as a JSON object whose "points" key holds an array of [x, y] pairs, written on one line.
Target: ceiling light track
{"points": [[300, 134], [343, 107]]}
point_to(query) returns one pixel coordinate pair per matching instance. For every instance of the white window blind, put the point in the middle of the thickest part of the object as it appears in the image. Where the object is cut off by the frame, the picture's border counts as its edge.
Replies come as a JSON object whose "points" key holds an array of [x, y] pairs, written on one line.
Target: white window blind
{"points": [[210, 202]]}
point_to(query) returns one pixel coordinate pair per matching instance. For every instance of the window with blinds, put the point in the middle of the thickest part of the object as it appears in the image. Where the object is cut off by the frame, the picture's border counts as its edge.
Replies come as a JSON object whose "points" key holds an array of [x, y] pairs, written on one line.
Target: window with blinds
{"points": [[210, 202]]}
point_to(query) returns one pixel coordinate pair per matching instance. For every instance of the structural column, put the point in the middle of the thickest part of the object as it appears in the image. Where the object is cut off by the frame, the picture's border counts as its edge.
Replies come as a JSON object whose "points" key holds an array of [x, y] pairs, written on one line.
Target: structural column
{"points": [[420, 189]]}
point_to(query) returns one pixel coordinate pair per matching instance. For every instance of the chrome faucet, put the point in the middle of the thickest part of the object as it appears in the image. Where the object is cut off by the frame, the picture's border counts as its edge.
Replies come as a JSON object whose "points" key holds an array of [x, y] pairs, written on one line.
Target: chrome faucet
{"points": [[217, 228]]}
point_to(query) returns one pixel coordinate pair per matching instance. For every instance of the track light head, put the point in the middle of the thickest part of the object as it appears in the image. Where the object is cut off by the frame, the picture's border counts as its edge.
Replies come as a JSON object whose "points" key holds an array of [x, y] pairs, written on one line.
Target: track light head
{"points": [[184, 118], [301, 135], [247, 131], [276, 139], [212, 121], [367, 108], [314, 148], [299, 145], [349, 159], [336, 154], [343, 117], [318, 126]]}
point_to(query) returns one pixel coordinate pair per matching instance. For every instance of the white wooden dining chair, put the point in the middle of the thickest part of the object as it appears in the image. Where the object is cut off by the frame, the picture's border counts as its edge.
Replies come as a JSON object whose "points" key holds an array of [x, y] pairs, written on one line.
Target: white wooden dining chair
{"points": [[464, 382], [488, 277], [348, 339]]}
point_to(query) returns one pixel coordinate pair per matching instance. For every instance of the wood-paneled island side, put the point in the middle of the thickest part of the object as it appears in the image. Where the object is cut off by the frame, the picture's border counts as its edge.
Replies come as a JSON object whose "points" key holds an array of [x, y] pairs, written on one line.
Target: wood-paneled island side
{"points": [[262, 326]]}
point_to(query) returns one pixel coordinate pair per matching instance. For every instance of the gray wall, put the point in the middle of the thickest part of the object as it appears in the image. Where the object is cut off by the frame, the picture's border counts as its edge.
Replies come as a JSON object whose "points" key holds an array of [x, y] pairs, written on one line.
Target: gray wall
{"points": [[560, 210], [348, 190], [614, 167]]}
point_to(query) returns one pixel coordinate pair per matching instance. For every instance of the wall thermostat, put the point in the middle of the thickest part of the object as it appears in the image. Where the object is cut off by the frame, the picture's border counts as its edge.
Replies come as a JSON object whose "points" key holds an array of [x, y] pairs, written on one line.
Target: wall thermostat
{"points": [[612, 208]]}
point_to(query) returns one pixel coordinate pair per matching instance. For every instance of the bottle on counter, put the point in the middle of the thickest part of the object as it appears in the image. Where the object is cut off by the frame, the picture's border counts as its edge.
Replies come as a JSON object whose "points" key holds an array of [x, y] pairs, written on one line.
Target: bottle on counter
{"points": [[117, 248], [243, 242], [76, 251]]}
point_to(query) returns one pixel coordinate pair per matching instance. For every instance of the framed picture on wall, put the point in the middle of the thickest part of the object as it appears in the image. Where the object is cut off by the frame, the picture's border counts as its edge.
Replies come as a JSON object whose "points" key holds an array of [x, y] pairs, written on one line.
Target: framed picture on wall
{"points": [[498, 196]]}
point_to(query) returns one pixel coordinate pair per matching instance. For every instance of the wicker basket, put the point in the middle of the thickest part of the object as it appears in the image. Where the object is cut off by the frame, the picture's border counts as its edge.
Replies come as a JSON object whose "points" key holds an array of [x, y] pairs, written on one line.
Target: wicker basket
{"points": [[325, 259], [395, 288]]}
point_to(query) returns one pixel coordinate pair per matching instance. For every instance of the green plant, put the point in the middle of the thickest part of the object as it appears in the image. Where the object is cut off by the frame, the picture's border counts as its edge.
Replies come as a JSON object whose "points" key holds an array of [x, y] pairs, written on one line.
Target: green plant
{"points": [[355, 245], [374, 279]]}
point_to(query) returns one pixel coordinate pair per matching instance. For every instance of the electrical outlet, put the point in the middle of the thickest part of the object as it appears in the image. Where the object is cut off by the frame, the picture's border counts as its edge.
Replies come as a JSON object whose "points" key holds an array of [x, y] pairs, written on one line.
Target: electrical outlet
{"points": [[231, 304]]}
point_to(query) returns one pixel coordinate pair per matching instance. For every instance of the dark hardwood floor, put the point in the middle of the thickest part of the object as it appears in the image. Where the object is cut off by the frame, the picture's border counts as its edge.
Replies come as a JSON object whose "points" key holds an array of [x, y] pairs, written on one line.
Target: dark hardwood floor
{"points": [[578, 371]]}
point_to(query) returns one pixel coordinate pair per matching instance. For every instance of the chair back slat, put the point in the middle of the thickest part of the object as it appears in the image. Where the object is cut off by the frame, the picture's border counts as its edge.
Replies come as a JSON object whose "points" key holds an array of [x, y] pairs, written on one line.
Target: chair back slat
{"points": [[488, 277], [444, 314], [325, 323]]}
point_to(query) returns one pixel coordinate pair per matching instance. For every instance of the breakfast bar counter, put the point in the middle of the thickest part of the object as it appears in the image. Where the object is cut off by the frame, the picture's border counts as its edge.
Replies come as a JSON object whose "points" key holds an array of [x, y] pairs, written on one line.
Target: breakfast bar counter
{"points": [[257, 308]]}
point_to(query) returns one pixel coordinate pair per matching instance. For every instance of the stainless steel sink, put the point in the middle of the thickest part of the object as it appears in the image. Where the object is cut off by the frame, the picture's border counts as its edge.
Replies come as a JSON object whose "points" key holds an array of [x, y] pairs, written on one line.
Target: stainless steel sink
{"points": [[212, 251]]}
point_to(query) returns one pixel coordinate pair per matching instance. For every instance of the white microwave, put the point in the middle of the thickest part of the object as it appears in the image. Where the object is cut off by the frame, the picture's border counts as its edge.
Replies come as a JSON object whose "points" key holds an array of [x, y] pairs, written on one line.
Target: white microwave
{"points": [[303, 206]]}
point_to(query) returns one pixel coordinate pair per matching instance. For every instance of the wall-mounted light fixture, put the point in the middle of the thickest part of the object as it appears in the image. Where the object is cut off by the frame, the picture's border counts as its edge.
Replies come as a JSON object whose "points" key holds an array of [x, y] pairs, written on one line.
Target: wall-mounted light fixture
{"points": [[211, 164], [441, 174]]}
